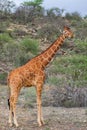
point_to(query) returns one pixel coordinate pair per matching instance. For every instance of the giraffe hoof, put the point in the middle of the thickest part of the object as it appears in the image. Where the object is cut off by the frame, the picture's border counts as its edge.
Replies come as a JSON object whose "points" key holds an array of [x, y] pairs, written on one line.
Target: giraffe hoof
{"points": [[41, 123], [10, 124], [16, 125]]}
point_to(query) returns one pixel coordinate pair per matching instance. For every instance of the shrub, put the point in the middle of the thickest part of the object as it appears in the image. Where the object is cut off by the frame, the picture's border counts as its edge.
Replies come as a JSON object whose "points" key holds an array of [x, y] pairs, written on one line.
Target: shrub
{"points": [[18, 53], [50, 32], [3, 77], [73, 68], [4, 37], [11, 51], [81, 46], [22, 58], [74, 15], [30, 45]]}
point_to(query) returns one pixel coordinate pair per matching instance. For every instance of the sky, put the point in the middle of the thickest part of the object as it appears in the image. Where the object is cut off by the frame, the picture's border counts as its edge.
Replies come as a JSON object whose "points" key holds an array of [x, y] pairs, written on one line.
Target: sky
{"points": [[69, 5]]}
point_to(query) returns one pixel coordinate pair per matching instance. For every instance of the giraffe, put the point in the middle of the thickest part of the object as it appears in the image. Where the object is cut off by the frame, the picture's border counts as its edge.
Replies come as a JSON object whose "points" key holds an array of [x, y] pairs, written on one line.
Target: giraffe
{"points": [[32, 74]]}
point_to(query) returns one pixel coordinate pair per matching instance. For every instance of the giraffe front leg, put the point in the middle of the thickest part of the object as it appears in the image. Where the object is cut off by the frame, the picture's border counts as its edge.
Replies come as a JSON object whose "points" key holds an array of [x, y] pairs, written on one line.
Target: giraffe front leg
{"points": [[15, 120], [10, 118], [39, 114]]}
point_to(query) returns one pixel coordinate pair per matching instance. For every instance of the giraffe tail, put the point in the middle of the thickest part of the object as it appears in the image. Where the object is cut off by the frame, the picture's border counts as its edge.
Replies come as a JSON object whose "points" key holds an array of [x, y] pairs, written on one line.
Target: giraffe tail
{"points": [[9, 103], [8, 100]]}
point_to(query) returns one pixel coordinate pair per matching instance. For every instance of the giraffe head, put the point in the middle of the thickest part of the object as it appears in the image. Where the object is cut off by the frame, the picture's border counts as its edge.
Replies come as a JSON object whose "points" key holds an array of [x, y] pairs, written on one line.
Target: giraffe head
{"points": [[67, 32]]}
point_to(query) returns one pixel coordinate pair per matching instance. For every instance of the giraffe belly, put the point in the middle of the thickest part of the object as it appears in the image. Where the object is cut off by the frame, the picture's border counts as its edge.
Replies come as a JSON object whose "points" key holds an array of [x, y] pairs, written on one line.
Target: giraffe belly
{"points": [[27, 83], [29, 80]]}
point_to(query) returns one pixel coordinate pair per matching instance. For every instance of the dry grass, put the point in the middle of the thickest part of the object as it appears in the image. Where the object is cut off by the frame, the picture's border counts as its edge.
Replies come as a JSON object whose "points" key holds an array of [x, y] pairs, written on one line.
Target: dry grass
{"points": [[56, 118]]}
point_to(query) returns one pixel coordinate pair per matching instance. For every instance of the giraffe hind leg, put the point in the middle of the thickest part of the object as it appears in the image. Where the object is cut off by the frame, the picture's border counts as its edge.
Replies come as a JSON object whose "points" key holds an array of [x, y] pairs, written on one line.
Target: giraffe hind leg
{"points": [[12, 106], [14, 109], [10, 111], [9, 106]]}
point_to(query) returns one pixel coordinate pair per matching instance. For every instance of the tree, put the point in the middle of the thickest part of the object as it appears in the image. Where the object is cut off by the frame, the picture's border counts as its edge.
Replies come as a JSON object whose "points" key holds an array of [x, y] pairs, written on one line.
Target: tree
{"points": [[53, 12], [6, 7], [33, 9], [34, 3], [74, 16]]}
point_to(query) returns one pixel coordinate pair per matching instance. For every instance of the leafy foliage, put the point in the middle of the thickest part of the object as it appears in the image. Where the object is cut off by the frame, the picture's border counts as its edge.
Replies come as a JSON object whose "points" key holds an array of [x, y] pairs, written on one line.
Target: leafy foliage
{"points": [[35, 3], [30, 45], [73, 68], [6, 7], [17, 53], [5, 38], [53, 12], [73, 16], [3, 77]]}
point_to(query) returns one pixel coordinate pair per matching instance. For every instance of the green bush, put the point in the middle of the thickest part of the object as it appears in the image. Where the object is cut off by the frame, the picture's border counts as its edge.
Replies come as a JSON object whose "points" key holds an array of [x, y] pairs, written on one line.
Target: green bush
{"points": [[56, 80], [50, 32], [30, 45], [11, 51], [81, 46], [53, 80], [3, 78], [75, 15], [18, 53], [73, 68], [4, 37], [23, 58]]}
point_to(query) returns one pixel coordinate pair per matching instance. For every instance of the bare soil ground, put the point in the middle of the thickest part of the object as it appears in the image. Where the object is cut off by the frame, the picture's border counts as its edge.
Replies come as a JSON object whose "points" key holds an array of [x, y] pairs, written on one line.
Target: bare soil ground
{"points": [[56, 118]]}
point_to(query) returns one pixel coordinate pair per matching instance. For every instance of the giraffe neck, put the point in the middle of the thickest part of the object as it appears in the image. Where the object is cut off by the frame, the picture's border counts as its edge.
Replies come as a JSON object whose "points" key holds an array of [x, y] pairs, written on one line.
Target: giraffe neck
{"points": [[46, 56]]}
